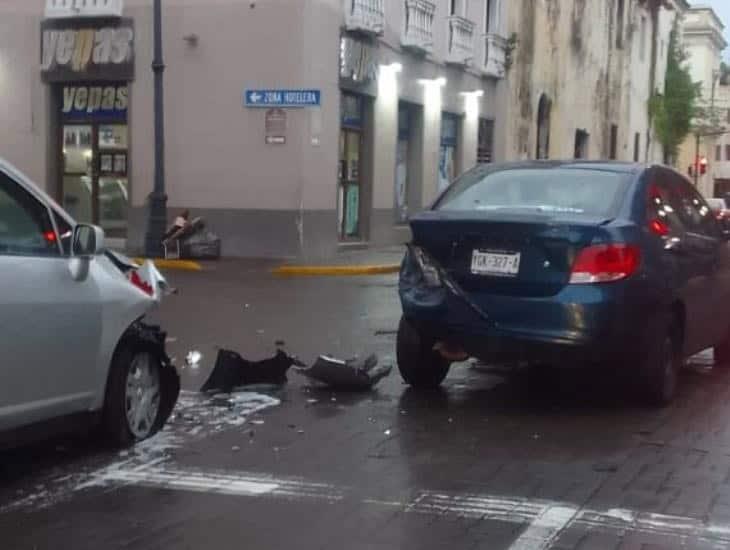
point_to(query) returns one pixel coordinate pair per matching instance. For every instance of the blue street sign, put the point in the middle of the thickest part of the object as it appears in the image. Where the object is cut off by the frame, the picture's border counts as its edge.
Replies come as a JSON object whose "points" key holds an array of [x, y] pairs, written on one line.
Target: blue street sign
{"points": [[282, 98]]}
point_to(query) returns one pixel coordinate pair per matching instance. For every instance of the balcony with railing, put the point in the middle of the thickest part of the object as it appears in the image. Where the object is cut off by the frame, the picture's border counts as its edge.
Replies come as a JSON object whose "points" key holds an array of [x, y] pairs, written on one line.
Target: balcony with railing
{"points": [[365, 16], [461, 40], [83, 8], [495, 55], [418, 25]]}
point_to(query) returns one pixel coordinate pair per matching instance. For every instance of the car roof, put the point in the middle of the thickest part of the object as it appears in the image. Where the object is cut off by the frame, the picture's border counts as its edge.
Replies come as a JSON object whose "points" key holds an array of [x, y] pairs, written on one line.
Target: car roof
{"points": [[34, 190], [579, 164]]}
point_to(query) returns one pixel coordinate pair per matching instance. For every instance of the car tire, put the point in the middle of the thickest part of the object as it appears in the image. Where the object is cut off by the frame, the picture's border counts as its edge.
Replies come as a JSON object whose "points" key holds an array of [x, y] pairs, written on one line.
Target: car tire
{"points": [[420, 366], [661, 367], [132, 405]]}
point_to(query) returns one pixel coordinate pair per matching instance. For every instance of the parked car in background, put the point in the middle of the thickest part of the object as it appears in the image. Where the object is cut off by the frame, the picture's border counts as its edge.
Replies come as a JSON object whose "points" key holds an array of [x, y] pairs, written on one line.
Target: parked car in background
{"points": [[594, 264], [721, 211], [76, 352]]}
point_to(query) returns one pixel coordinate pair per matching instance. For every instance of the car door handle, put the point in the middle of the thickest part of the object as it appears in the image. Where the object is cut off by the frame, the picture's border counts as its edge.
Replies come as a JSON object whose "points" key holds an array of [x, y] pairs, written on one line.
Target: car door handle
{"points": [[676, 245]]}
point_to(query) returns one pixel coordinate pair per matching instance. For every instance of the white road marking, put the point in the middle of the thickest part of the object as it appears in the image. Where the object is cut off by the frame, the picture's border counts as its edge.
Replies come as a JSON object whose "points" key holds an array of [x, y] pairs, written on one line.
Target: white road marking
{"points": [[547, 519], [545, 528], [227, 483]]}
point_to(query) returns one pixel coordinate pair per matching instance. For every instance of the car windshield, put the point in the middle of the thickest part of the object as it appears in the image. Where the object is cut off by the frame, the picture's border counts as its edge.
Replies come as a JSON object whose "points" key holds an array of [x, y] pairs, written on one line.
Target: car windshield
{"points": [[568, 190]]}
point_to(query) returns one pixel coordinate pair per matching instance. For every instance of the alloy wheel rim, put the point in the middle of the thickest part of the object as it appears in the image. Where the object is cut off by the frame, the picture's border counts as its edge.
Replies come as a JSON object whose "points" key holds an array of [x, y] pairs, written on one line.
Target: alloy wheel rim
{"points": [[142, 397]]}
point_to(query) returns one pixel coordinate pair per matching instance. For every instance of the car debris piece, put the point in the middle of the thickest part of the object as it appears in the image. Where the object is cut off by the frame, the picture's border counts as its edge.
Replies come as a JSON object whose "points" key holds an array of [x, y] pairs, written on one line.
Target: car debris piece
{"points": [[231, 370], [192, 359], [354, 374]]}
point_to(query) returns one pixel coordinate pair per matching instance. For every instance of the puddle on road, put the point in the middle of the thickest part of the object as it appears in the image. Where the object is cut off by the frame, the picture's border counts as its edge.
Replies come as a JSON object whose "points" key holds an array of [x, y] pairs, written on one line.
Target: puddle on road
{"points": [[195, 417]]}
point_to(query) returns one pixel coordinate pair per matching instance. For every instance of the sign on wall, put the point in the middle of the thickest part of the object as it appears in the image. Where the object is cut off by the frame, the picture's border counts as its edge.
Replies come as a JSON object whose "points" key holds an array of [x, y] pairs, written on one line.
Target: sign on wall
{"points": [[73, 52], [276, 127], [100, 102], [282, 98]]}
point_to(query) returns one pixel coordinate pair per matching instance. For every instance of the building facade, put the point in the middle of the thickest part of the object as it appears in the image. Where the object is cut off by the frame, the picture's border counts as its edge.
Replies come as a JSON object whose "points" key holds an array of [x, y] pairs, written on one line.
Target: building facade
{"points": [[702, 37], [583, 72], [294, 127]]}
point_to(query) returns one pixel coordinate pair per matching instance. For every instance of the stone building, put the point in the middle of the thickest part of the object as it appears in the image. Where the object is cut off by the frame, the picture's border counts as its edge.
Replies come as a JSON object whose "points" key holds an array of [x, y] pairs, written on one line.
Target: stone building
{"points": [[581, 75]]}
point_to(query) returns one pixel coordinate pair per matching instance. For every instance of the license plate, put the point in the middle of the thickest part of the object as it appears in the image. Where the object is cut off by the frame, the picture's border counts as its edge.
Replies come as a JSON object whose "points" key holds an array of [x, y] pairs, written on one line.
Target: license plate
{"points": [[500, 264]]}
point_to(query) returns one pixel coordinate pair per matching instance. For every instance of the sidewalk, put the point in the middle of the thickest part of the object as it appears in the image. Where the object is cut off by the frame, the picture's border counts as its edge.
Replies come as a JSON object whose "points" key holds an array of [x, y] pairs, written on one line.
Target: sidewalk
{"points": [[370, 261]]}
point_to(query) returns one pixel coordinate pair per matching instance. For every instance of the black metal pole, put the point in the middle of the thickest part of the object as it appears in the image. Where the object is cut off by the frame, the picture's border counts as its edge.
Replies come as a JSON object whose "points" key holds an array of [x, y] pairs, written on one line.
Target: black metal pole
{"points": [[157, 222], [696, 169]]}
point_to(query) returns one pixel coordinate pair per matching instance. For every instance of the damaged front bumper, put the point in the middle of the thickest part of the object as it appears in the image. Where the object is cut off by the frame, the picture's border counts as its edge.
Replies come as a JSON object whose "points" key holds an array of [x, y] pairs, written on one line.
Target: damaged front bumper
{"points": [[152, 339]]}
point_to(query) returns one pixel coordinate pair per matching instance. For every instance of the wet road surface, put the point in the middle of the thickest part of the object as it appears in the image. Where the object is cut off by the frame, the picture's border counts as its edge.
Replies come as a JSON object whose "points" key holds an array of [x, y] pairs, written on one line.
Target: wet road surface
{"points": [[530, 461]]}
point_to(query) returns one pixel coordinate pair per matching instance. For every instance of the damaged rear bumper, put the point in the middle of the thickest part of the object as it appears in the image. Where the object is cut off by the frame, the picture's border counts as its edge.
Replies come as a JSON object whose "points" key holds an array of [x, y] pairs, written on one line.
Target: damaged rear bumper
{"points": [[572, 328]]}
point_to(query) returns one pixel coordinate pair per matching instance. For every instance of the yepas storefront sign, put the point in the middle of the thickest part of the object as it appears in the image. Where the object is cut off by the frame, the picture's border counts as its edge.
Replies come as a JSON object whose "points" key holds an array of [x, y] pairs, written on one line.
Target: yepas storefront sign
{"points": [[76, 51], [97, 102]]}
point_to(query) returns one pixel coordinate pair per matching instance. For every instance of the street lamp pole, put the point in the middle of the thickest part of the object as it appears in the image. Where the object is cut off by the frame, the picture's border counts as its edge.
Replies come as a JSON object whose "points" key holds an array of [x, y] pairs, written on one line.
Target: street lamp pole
{"points": [[157, 222]]}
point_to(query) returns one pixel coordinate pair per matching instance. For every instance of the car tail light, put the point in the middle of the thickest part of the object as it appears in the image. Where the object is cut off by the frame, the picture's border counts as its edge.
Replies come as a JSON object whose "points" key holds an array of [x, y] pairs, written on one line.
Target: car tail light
{"points": [[658, 227], [137, 281], [605, 263]]}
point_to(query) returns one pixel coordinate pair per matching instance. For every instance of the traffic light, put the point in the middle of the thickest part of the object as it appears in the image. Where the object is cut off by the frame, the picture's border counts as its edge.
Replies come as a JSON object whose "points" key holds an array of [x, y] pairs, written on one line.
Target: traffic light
{"points": [[703, 166]]}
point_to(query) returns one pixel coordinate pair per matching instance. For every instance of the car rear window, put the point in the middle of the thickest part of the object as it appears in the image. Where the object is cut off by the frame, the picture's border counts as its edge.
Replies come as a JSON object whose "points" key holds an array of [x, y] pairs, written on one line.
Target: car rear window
{"points": [[568, 190]]}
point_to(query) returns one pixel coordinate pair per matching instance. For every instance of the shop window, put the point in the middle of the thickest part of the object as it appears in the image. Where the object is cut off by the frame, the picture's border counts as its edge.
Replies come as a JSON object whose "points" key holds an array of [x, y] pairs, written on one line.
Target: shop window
{"points": [[349, 188], [402, 162], [447, 157]]}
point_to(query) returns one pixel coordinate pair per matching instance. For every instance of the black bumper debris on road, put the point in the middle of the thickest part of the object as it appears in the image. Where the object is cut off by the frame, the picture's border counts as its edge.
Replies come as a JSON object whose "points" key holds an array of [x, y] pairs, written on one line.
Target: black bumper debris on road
{"points": [[354, 374], [231, 371]]}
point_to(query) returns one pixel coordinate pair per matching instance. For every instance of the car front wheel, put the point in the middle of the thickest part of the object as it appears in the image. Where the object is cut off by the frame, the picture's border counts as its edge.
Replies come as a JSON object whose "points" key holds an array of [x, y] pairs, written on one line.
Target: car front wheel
{"points": [[133, 396], [418, 363]]}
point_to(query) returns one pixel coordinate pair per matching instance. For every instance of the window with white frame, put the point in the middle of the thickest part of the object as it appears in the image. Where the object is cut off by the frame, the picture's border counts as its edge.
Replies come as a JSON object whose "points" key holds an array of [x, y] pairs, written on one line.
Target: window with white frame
{"points": [[642, 39], [491, 16], [457, 7]]}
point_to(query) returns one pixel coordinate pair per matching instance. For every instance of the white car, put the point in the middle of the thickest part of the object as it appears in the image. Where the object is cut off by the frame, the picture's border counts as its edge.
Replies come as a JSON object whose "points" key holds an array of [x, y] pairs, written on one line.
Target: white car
{"points": [[74, 350]]}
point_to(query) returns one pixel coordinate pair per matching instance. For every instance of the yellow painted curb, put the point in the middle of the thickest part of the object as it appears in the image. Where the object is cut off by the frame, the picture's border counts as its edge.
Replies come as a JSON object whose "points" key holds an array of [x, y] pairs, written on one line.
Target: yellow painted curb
{"points": [[335, 270], [179, 265]]}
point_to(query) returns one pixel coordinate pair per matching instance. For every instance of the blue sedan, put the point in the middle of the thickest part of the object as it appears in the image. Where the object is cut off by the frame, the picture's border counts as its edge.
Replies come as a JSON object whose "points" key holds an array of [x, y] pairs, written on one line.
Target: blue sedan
{"points": [[569, 263]]}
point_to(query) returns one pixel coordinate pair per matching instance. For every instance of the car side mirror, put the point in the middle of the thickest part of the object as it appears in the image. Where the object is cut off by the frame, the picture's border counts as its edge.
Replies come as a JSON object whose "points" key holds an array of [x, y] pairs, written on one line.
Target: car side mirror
{"points": [[88, 241]]}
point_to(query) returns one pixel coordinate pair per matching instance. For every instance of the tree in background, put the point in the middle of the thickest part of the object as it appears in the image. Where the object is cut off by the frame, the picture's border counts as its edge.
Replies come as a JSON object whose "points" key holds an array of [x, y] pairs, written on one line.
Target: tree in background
{"points": [[673, 111], [724, 74]]}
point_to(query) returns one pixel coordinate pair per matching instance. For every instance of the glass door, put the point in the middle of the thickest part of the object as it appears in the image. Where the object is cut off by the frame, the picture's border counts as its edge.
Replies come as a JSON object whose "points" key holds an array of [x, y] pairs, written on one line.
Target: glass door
{"points": [[78, 171], [95, 184], [113, 184], [95, 149]]}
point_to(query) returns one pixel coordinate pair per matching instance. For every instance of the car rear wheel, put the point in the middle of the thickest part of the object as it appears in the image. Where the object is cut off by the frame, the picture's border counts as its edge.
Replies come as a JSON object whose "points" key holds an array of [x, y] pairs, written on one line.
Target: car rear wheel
{"points": [[418, 363], [132, 408], [661, 368]]}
